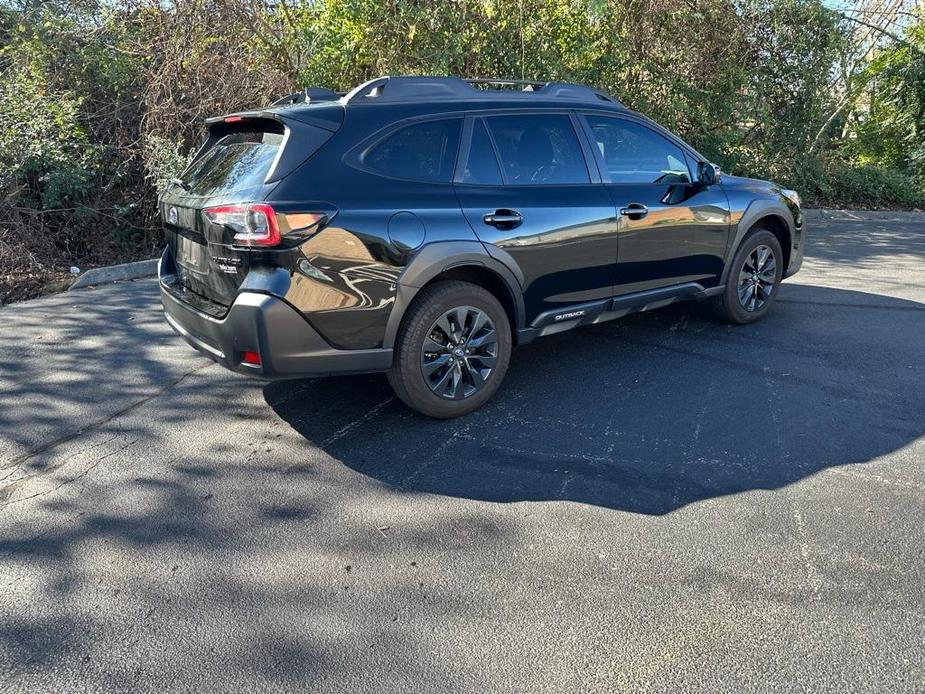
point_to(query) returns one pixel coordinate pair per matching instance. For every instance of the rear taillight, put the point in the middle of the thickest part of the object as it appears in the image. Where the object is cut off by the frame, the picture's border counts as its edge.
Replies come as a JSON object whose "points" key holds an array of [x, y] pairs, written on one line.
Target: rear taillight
{"points": [[253, 224], [256, 224]]}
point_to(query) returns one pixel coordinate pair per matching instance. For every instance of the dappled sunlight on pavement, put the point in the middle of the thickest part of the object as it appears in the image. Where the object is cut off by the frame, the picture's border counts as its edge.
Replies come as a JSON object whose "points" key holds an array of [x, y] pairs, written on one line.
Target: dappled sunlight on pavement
{"points": [[661, 503]]}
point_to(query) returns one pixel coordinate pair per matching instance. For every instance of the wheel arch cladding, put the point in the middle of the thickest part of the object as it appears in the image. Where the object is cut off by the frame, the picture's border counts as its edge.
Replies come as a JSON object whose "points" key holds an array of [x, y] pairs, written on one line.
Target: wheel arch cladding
{"points": [[763, 214], [777, 226], [463, 261], [487, 279]]}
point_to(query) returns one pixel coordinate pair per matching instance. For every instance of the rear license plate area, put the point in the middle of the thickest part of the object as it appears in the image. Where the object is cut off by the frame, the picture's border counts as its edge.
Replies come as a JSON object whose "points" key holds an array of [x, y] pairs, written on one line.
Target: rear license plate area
{"points": [[192, 255]]}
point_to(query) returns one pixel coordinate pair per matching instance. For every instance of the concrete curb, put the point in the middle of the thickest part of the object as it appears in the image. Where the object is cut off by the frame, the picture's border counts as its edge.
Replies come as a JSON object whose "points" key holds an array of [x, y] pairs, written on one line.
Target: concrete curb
{"points": [[116, 273], [831, 214]]}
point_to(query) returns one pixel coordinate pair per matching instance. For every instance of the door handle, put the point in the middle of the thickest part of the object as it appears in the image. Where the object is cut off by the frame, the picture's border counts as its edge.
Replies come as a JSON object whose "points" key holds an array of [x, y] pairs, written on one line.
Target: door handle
{"points": [[634, 209], [503, 219]]}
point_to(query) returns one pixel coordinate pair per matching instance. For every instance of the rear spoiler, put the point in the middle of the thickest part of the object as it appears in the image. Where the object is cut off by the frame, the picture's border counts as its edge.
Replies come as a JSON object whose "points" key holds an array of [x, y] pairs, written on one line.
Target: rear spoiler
{"points": [[311, 132]]}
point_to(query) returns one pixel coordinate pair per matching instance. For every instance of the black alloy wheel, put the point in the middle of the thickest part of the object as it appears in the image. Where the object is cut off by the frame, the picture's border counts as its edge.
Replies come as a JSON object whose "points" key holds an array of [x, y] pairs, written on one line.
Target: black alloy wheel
{"points": [[452, 350], [756, 278], [753, 280], [459, 353]]}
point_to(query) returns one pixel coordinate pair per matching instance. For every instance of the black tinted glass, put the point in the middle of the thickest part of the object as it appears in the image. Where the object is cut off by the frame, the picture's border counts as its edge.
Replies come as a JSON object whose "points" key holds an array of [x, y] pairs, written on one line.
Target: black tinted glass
{"points": [[235, 162], [633, 153], [482, 166], [423, 152], [538, 150]]}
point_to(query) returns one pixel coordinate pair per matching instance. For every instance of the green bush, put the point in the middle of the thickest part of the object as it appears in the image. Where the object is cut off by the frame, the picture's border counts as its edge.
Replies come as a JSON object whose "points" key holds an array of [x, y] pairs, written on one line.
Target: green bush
{"points": [[47, 160], [66, 181], [839, 183], [100, 102]]}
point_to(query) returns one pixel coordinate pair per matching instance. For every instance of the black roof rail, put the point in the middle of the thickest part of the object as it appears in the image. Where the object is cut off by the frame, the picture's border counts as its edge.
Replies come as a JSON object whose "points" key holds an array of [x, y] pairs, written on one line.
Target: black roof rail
{"points": [[553, 89], [528, 85], [568, 90], [402, 88], [410, 88], [308, 95]]}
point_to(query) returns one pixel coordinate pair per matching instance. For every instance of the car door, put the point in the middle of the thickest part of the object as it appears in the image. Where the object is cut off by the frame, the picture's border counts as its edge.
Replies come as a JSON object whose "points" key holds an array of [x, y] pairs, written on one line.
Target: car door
{"points": [[525, 186], [671, 230]]}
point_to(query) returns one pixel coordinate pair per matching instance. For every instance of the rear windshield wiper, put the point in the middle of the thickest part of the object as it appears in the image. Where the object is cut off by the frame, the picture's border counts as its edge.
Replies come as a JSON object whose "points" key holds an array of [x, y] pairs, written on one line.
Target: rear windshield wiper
{"points": [[180, 182]]}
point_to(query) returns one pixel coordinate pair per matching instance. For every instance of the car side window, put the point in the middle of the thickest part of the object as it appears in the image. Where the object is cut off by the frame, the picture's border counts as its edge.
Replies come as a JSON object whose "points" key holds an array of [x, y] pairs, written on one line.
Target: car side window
{"points": [[633, 153], [421, 152], [540, 149], [482, 164]]}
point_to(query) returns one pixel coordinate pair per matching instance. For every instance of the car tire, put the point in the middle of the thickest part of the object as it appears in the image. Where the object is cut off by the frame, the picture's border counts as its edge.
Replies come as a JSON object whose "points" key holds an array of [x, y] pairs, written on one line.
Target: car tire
{"points": [[452, 350], [753, 280]]}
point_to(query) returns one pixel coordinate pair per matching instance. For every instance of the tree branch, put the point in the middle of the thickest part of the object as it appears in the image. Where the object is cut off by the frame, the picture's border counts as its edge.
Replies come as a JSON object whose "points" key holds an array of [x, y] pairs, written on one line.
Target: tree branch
{"points": [[884, 32]]}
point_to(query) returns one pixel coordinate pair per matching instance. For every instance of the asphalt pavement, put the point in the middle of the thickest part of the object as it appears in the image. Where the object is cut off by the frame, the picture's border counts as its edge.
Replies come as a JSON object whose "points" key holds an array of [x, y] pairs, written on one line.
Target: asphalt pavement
{"points": [[658, 504]]}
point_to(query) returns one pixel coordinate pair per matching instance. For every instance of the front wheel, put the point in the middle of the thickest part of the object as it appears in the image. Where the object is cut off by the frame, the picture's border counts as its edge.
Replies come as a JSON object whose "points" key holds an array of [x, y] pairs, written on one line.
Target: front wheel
{"points": [[754, 279], [452, 350]]}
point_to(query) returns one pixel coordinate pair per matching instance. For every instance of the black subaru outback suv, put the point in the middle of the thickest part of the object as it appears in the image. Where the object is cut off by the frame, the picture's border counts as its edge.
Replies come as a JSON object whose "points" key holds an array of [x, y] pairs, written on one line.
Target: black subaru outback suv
{"points": [[423, 226]]}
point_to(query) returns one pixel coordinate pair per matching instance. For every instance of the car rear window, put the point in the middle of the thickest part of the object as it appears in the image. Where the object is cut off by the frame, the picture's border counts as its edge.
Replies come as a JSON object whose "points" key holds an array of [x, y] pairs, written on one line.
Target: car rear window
{"points": [[237, 161], [420, 152]]}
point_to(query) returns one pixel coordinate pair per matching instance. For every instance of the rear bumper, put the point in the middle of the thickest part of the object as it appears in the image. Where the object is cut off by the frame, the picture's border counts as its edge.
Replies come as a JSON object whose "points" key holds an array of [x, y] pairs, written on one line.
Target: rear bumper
{"points": [[288, 346]]}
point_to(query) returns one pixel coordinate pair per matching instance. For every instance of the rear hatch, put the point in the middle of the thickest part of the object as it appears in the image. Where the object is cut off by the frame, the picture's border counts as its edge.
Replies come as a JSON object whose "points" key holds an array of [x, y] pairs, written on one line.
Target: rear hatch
{"points": [[242, 161]]}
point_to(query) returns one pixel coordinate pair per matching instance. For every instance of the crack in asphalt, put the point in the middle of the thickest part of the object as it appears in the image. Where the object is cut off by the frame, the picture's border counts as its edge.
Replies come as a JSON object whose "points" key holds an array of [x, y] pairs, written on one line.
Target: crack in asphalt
{"points": [[20, 459], [84, 473], [13, 469]]}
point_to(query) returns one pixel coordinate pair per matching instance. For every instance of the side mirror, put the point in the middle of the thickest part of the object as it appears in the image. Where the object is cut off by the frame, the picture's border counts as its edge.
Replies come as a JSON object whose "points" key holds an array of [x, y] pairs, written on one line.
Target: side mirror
{"points": [[708, 174]]}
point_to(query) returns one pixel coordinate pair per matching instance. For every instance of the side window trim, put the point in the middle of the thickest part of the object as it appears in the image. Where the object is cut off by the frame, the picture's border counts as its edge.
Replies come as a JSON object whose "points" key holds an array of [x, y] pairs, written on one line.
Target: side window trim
{"points": [[494, 148], [355, 155], [599, 157], [691, 170], [603, 173], [465, 147], [465, 151], [595, 172]]}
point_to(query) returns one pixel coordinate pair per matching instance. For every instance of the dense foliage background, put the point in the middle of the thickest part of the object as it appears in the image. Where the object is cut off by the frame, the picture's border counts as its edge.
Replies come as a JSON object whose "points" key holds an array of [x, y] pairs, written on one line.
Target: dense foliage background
{"points": [[102, 100]]}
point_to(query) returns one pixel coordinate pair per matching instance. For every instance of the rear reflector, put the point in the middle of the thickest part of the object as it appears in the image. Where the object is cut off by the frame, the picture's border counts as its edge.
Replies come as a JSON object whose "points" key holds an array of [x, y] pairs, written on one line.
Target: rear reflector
{"points": [[233, 119], [251, 358]]}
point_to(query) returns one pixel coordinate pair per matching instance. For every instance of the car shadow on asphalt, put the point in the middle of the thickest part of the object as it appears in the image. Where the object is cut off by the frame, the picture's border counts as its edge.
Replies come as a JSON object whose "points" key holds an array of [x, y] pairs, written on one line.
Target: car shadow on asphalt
{"points": [[650, 413]]}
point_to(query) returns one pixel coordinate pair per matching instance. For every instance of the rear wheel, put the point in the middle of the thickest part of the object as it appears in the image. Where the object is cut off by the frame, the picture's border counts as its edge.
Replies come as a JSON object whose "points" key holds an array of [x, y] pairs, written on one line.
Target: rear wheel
{"points": [[754, 279], [452, 350]]}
